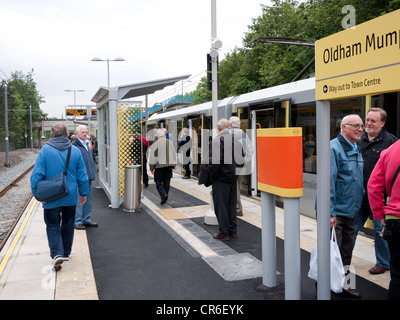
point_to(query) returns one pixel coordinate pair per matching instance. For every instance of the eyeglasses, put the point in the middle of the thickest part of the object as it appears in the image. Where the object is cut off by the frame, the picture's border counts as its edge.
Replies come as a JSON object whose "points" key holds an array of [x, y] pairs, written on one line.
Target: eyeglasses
{"points": [[355, 126]]}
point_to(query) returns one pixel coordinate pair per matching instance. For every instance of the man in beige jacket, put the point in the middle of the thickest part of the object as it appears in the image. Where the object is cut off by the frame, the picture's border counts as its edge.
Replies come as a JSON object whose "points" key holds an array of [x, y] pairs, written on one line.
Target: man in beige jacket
{"points": [[162, 159]]}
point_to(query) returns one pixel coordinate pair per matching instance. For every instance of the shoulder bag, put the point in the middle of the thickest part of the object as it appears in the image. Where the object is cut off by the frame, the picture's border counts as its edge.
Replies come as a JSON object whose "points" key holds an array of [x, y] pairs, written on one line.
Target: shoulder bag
{"points": [[55, 187]]}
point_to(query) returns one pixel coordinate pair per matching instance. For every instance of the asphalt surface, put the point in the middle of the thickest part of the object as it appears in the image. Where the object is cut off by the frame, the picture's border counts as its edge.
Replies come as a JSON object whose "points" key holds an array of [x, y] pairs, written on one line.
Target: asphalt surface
{"points": [[136, 256]]}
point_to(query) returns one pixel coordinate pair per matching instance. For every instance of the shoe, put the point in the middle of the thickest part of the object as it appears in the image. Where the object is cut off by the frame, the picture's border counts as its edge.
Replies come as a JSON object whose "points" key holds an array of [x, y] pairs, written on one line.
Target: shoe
{"points": [[164, 199], [79, 227], [220, 237], [233, 235], [57, 262], [377, 269], [351, 293], [66, 258], [185, 177], [239, 213], [91, 224]]}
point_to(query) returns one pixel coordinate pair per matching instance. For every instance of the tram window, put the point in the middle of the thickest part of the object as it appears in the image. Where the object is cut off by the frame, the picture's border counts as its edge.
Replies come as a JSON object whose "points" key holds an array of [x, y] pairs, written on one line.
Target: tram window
{"points": [[341, 108], [305, 117], [243, 115], [279, 116], [388, 102]]}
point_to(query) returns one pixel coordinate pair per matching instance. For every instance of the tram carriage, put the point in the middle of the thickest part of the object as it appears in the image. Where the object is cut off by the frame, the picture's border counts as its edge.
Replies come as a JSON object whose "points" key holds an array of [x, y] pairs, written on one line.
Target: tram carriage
{"points": [[288, 105]]}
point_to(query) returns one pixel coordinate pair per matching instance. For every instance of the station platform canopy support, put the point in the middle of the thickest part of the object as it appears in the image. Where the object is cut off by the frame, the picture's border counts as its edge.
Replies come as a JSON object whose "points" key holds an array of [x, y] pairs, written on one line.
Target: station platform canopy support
{"points": [[107, 100], [359, 61]]}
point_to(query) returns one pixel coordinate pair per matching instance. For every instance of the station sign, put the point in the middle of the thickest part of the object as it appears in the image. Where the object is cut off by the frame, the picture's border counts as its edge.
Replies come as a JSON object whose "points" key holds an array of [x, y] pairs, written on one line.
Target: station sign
{"points": [[281, 172], [76, 112], [80, 110], [359, 61]]}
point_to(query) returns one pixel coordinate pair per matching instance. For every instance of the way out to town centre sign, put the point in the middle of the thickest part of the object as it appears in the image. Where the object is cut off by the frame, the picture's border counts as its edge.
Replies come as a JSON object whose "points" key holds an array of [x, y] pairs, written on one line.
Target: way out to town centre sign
{"points": [[361, 60]]}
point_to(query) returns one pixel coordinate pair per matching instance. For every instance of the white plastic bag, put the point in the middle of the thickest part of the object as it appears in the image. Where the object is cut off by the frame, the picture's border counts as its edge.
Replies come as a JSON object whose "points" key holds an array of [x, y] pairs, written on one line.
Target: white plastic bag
{"points": [[337, 269]]}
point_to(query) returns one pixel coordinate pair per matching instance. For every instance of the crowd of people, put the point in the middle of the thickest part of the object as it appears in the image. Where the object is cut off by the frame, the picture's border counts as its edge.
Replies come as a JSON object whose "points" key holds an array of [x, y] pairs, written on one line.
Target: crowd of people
{"points": [[359, 179], [364, 164]]}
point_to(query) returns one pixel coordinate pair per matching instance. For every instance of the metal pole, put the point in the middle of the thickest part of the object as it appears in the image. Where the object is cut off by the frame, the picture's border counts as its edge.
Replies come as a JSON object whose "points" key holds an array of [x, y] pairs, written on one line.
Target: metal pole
{"points": [[210, 217], [30, 121], [268, 239], [7, 163], [292, 248], [214, 75], [114, 168], [147, 115], [108, 72], [323, 200]]}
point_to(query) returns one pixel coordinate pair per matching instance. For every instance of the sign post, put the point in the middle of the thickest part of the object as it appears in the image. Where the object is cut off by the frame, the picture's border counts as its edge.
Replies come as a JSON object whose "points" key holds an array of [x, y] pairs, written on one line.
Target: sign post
{"points": [[281, 173], [363, 60]]}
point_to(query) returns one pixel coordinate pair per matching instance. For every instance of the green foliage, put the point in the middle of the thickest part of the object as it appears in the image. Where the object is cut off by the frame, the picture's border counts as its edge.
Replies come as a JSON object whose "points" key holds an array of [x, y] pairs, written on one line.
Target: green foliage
{"points": [[260, 65], [21, 93]]}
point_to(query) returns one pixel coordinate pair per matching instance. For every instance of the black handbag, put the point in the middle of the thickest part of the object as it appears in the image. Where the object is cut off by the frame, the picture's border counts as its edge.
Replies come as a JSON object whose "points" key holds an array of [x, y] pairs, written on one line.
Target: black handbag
{"points": [[55, 187]]}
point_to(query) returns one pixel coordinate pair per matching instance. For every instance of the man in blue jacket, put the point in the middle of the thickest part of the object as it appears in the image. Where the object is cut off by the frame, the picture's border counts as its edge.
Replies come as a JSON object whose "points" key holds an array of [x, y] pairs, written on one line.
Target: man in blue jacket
{"points": [[84, 213], [59, 215], [346, 185]]}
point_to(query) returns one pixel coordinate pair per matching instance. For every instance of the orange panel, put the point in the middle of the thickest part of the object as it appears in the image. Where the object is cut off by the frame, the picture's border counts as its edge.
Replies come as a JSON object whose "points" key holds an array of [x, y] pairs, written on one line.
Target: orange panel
{"points": [[280, 161]]}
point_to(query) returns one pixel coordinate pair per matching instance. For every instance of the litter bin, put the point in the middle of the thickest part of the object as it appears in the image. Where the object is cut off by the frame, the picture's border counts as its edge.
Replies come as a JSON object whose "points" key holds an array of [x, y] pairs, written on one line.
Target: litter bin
{"points": [[133, 186]]}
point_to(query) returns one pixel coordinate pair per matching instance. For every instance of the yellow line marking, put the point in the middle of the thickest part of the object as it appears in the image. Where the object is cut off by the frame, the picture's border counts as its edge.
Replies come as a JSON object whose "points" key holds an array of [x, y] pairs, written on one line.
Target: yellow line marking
{"points": [[15, 241]]}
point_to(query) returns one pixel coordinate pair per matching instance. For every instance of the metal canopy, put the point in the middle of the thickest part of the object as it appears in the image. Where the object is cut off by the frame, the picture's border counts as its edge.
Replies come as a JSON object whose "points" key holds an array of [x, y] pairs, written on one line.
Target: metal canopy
{"points": [[137, 89]]}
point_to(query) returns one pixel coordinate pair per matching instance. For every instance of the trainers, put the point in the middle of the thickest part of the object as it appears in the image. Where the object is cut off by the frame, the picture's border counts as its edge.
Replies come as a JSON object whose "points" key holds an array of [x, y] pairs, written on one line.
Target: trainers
{"points": [[57, 262], [66, 258]]}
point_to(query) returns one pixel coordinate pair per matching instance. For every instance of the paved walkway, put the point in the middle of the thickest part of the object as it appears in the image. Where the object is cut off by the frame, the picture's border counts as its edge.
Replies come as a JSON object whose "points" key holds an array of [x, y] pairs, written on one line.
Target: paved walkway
{"points": [[25, 265]]}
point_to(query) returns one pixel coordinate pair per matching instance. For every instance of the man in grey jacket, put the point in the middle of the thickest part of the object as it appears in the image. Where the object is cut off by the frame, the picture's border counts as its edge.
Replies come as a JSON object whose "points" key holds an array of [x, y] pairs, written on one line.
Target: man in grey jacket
{"points": [[83, 213]]}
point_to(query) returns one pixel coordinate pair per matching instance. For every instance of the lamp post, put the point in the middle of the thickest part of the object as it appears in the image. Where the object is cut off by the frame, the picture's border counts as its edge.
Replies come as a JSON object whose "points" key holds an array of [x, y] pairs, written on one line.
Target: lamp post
{"points": [[108, 66], [74, 91]]}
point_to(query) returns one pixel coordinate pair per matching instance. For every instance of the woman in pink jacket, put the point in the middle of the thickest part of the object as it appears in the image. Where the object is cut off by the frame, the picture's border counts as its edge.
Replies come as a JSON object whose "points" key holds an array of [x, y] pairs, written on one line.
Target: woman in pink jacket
{"points": [[384, 176]]}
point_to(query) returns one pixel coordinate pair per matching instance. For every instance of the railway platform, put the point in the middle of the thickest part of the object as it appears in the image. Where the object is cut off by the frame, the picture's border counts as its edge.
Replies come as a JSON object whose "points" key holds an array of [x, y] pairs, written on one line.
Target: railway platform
{"points": [[163, 252]]}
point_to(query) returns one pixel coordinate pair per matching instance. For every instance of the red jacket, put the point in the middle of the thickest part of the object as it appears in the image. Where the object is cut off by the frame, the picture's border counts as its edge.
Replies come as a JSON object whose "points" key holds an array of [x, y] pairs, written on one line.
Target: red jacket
{"points": [[381, 178]]}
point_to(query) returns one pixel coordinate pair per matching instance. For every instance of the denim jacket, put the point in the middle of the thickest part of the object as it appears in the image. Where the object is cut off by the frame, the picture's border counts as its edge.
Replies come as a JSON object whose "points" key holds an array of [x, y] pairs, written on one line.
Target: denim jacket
{"points": [[346, 178]]}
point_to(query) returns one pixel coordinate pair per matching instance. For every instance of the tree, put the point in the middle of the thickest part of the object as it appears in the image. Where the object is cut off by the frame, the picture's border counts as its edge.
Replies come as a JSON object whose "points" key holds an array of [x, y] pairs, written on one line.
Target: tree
{"points": [[21, 93], [260, 65]]}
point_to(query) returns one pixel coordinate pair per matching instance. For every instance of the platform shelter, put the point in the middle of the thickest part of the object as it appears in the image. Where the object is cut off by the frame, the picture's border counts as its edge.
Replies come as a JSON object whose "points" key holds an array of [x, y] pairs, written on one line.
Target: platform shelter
{"points": [[115, 124]]}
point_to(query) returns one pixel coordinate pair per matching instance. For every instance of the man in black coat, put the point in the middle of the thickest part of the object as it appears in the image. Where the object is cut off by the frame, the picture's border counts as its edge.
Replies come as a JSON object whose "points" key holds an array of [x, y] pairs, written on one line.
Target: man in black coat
{"points": [[374, 140], [225, 156]]}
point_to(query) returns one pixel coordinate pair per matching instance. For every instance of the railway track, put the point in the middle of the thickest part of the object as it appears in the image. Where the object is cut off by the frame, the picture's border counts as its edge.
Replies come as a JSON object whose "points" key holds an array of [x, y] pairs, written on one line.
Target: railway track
{"points": [[14, 199]]}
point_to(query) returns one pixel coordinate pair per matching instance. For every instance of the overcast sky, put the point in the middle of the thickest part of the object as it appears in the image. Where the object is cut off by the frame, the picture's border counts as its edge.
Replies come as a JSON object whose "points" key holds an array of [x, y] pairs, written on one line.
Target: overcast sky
{"points": [[157, 38]]}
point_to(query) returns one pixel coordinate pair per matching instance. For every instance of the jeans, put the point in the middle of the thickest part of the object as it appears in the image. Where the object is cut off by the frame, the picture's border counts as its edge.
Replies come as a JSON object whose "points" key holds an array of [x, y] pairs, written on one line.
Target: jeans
{"points": [[60, 230], [381, 246], [83, 213], [393, 239]]}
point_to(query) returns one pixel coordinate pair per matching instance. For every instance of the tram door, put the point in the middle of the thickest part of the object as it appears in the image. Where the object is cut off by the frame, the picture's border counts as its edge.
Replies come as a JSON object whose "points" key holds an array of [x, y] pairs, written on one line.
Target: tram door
{"points": [[260, 119], [195, 124]]}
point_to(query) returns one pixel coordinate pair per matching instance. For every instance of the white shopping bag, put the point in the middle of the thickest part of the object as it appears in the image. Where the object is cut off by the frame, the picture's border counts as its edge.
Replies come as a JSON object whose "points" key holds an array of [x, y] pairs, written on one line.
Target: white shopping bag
{"points": [[337, 269]]}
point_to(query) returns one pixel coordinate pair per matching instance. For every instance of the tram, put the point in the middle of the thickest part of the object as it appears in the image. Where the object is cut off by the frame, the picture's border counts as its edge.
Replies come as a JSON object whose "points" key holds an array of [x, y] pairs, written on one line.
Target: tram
{"points": [[287, 105]]}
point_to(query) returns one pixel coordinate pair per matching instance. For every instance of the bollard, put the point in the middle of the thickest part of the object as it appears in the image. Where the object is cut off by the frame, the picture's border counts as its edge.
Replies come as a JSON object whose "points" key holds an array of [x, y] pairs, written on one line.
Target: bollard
{"points": [[133, 186]]}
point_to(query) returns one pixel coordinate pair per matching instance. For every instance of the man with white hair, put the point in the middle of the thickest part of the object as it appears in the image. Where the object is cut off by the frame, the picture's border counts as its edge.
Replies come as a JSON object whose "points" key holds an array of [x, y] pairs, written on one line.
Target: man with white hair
{"points": [[346, 186], [83, 213], [225, 155], [240, 135], [162, 159]]}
